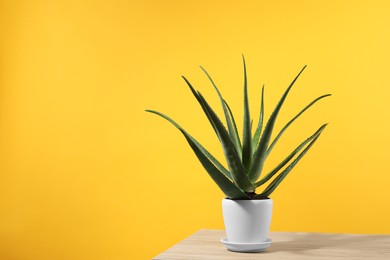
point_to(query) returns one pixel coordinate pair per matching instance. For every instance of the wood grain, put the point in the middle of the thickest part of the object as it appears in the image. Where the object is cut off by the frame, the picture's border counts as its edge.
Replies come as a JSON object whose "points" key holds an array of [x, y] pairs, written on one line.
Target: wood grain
{"points": [[205, 244]]}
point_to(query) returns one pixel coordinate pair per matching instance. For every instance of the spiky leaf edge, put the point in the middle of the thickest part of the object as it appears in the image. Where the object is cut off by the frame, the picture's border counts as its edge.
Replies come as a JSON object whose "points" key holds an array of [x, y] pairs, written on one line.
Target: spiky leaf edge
{"points": [[232, 128], [246, 132], [234, 125], [261, 151], [236, 168], [288, 158], [275, 183], [259, 127], [292, 120]]}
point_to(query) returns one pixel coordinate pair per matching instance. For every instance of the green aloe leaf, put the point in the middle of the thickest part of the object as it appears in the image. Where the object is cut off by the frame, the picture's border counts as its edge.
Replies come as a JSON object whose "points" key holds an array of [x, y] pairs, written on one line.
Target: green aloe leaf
{"points": [[234, 127], [259, 127], [292, 120], [209, 163], [228, 187], [199, 101], [288, 158], [200, 147], [236, 168], [228, 115], [275, 183], [261, 151], [247, 134]]}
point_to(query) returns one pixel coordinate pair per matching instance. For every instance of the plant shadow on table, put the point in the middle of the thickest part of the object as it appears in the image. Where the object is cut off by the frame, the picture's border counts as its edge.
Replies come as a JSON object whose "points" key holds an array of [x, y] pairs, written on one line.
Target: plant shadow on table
{"points": [[308, 244]]}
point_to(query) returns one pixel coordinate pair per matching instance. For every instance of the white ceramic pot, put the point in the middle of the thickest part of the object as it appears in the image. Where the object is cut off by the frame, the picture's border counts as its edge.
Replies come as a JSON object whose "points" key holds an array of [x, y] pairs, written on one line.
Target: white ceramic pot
{"points": [[247, 221]]}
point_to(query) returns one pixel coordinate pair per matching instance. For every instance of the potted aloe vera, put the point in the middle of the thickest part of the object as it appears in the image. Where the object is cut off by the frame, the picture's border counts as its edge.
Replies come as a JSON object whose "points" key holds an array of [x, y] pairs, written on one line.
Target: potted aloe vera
{"points": [[247, 213]]}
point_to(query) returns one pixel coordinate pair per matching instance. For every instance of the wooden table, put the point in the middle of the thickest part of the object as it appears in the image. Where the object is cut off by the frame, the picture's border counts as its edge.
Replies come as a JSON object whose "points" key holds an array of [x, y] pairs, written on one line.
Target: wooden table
{"points": [[205, 244]]}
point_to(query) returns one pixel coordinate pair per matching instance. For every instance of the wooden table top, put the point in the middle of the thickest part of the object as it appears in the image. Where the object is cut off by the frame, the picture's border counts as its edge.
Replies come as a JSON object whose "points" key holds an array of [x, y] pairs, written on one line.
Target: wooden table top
{"points": [[205, 244]]}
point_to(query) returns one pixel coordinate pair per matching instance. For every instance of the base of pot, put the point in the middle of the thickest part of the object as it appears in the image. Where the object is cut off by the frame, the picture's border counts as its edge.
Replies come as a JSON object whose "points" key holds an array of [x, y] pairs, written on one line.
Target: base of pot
{"points": [[246, 247]]}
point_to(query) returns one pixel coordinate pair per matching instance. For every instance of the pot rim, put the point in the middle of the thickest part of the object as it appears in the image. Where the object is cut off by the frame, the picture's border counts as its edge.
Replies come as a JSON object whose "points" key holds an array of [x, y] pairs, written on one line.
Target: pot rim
{"points": [[257, 201]]}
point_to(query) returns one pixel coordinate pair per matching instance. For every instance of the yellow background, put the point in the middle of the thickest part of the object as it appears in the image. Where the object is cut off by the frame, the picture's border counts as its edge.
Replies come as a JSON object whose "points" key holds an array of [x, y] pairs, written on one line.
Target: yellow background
{"points": [[85, 173]]}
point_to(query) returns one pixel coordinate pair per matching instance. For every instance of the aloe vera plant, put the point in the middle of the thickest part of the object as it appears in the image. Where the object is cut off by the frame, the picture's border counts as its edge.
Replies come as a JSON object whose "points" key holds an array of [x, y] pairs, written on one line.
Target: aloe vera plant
{"points": [[245, 157]]}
